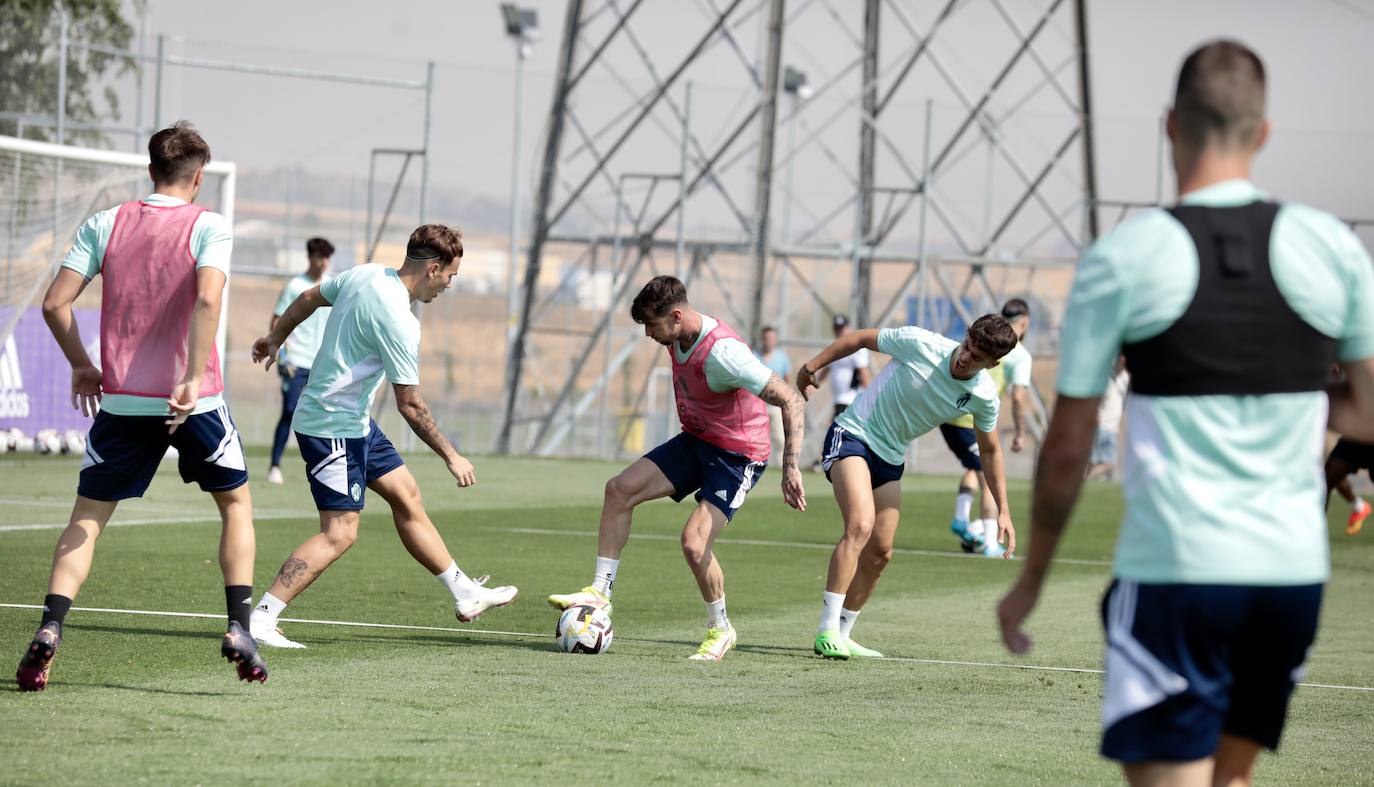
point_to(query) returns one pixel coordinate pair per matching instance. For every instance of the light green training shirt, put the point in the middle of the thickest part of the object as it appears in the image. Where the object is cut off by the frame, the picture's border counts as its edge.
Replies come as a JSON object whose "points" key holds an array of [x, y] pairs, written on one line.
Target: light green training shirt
{"points": [[212, 243], [1014, 369], [915, 393], [370, 334], [304, 342], [1219, 489]]}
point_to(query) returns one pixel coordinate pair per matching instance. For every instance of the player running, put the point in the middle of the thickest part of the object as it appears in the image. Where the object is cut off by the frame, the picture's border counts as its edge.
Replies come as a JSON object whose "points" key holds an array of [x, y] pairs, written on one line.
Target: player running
{"points": [[1014, 369], [930, 380], [721, 389], [298, 354], [1347, 458], [1229, 308], [164, 262], [370, 334]]}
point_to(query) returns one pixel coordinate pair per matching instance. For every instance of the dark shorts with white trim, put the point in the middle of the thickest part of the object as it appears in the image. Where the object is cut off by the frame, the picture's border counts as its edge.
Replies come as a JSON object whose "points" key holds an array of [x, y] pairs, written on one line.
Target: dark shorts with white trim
{"points": [[840, 444], [340, 468], [1188, 663], [123, 453], [963, 443], [691, 464]]}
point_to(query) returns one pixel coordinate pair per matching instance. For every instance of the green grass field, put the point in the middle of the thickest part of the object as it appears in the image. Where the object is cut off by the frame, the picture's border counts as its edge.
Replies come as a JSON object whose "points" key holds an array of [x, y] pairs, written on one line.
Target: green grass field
{"points": [[146, 698]]}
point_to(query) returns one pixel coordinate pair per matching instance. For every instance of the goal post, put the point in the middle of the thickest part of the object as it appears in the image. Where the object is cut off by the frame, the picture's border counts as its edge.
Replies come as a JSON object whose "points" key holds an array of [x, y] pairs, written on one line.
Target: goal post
{"points": [[46, 192]]}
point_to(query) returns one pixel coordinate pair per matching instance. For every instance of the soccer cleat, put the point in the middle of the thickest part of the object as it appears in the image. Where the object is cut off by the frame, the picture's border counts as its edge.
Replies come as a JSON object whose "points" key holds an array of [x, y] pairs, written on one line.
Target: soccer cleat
{"points": [[718, 641], [1355, 523], [36, 664], [993, 549], [857, 651], [274, 475], [241, 651], [587, 596], [831, 645], [271, 636], [967, 540], [470, 609]]}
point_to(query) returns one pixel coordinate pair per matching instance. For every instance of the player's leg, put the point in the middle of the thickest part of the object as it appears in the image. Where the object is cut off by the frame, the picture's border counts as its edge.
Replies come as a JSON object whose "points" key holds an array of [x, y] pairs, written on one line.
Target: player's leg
{"points": [[1345, 461], [698, 535], [647, 478], [964, 445], [985, 528], [1234, 764], [876, 554], [853, 486], [293, 382], [1196, 773]]}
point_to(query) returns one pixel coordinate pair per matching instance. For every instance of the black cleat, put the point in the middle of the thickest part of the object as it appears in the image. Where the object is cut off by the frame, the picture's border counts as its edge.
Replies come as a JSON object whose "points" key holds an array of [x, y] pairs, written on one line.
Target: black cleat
{"points": [[241, 651], [37, 661]]}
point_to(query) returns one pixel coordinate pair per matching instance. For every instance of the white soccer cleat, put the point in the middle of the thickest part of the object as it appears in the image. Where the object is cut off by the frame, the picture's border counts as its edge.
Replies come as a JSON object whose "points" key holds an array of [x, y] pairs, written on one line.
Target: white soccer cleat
{"points": [[993, 549], [470, 609], [271, 637], [274, 475]]}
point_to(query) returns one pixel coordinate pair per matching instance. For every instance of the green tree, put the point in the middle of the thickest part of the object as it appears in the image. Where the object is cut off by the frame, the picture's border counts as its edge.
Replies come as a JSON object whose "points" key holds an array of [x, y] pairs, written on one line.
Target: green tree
{"points": [[29, 36]]}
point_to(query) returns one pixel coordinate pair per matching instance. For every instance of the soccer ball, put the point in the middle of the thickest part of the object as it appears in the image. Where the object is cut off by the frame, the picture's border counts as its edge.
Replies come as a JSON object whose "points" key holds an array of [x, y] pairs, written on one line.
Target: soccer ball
{"points": [[584, 629], [48, 442], [73, 442]]}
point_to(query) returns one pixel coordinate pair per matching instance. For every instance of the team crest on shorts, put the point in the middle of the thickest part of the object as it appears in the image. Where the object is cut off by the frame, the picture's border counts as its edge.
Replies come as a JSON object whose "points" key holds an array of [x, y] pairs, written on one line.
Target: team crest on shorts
{"points": [[357, 491]]}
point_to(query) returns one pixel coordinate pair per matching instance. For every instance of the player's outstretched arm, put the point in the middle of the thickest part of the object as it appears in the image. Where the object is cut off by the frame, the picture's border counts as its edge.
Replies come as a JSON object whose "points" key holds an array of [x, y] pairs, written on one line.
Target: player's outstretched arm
{"points": [[994, 472], [843, 347], [412, 407], [1058, 480], [199, 341], [57, 313], [783, 396], [265, 348]]}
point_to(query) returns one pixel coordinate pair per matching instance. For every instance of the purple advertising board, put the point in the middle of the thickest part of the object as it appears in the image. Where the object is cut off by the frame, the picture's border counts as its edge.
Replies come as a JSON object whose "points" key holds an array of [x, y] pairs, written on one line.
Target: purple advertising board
{"points": [[35, 378]]}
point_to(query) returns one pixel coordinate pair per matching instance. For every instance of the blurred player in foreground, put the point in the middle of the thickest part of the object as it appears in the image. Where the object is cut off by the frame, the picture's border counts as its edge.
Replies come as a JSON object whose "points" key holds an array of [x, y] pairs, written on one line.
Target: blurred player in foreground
{"points": [[370, 334], [1229, 308], [721, 389], [298, 354]]}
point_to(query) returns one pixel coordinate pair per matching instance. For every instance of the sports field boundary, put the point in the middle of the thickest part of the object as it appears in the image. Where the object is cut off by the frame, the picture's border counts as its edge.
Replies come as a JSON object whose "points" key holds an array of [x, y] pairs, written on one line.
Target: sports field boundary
{"points": [[529, 635]]}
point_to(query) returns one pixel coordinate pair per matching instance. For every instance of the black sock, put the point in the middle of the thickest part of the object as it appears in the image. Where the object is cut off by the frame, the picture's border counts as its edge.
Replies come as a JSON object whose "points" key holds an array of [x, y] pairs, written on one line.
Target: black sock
{"points": [[239, 600], [55, 609]]}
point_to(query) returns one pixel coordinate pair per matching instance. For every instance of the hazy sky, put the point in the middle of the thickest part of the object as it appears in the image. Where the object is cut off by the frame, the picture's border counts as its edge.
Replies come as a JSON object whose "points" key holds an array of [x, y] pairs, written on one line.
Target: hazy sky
{"points": [[1318, 53]]}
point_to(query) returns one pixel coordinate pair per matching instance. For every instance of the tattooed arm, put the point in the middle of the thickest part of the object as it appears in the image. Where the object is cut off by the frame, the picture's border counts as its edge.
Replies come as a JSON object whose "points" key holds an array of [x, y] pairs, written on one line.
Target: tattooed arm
{"points": [[789, 400], [413, 408]]}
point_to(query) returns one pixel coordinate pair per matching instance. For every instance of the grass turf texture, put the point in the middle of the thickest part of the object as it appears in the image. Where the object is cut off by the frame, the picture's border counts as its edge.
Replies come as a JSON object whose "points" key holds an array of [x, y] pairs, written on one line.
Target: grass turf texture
{"points": [[147, 699]]}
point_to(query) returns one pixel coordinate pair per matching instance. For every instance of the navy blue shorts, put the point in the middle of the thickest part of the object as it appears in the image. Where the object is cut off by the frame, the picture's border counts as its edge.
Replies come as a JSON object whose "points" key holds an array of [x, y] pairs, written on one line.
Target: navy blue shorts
{"points": [[839, 444], [124, 451], [963, 441], [340, 468], [1186, 663], [1360, 456], [692, 464]]}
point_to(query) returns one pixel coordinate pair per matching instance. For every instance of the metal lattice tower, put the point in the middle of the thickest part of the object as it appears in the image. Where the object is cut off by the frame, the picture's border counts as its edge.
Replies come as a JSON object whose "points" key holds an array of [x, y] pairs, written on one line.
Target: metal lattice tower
{"points": [[934, 148]]}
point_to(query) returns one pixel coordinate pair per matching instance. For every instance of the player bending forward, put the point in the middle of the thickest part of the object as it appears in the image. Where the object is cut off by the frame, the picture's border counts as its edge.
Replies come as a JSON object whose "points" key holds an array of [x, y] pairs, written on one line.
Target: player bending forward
{"points": [[721, 388], [370, 333], [930, 380]]}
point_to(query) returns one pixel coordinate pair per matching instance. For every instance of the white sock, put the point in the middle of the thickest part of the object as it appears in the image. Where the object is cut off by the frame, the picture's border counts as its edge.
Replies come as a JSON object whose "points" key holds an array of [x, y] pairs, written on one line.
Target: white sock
{"points": [[458, 583], [831, 603], [715, 614], [604, 579], [963, 504], [1357, 503], [268, 609], [847, 618], [989, 530]]}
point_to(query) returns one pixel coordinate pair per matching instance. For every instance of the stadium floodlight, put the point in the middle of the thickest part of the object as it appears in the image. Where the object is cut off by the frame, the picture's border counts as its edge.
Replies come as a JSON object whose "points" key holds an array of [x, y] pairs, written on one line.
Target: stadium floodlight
{"points": [[522, 25], [795, 84]]}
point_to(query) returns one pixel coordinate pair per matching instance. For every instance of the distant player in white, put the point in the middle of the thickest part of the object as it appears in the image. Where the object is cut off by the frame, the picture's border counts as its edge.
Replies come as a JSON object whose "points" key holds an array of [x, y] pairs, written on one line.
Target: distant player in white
{"points": [[298, 354]]}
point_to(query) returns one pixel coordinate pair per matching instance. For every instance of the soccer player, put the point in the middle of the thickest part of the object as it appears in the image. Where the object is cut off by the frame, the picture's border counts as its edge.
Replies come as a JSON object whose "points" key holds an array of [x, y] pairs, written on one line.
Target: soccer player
{"points": [[929, 380], [777, 362], [371, 333], [1347, 458], [163, 262], [298, 354], [1014, 369], [721, 389], [1229, 308], [1102, 462]]}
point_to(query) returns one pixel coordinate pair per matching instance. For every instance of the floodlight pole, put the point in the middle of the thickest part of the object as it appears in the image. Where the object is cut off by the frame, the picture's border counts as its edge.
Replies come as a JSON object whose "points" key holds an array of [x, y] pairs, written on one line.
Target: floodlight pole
{"points": [[763, 188], [868, 136], [512, 299]]}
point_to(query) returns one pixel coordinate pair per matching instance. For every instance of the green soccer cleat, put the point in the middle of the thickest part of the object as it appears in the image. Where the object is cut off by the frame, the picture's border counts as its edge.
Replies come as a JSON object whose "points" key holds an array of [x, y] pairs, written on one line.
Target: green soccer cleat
{"points": [[587, 596], [857, 651], [717, 642], [831, 645]]}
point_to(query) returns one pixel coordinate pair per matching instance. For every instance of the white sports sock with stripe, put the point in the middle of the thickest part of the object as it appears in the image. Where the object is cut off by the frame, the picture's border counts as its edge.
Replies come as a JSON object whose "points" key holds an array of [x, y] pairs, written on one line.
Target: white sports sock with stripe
{"points": [[831, 603], [847, 619]]}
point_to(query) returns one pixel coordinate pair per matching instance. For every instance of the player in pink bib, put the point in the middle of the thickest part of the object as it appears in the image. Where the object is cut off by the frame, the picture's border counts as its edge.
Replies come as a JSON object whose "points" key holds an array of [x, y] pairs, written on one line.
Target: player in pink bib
{"points": [[721, 389]]}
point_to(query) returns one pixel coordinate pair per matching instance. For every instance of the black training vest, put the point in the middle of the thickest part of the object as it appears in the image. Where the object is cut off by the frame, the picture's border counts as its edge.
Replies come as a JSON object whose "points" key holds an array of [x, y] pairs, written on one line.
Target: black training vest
{"points": [[1238, 336]]}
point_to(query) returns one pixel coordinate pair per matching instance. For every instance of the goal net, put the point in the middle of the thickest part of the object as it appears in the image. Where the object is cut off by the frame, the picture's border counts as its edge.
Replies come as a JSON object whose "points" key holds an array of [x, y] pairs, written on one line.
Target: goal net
{"points": [[46, 192]]}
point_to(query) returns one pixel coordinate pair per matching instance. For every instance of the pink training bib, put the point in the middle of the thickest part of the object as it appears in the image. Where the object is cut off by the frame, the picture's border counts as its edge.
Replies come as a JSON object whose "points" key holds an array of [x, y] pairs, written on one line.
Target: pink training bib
{"points": [[149, 292], [736, 421]]}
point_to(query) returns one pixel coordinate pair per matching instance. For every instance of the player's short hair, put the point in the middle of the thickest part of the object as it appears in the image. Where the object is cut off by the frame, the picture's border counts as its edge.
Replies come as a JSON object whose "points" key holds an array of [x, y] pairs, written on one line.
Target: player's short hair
{"points": [[175, 153], [1015, 307], [318, 248], [766, 329], [657, 298], [992, 334], [435, 242], [1220, 95]]}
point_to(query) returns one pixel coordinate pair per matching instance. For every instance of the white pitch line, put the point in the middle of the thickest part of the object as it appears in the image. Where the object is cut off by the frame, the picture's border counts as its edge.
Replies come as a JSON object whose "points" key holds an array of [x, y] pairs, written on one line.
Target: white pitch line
{"points": [[758, 542], [266, 515], [404, 627]]}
